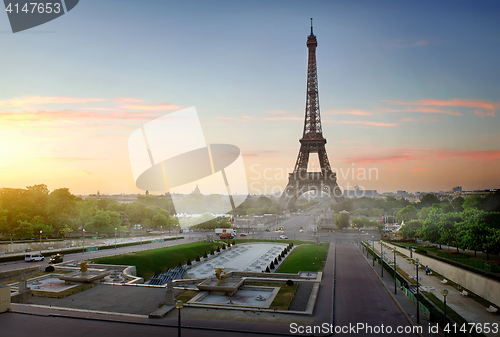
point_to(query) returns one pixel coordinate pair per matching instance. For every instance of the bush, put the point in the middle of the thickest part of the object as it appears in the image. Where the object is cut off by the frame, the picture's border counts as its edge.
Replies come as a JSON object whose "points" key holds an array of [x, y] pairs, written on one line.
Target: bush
{"points": [[275, 261], [189, 262], [279, 257], [205, 255], [224, 247], [289, 283], [49, 269], [212, 252], [218, 249], [268, 270], [271, 265], [197, 258], [233, 243]]}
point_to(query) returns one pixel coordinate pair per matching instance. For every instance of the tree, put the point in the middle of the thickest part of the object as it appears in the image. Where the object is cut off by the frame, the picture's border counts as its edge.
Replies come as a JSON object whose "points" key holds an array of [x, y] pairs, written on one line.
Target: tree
{"points": [[23, 230], [411, 228], [101, 223], [160, 220], [457, 204], [473, 201], [428, 200], [136, 212], [61, 208], [342, 220], [406, 214]]}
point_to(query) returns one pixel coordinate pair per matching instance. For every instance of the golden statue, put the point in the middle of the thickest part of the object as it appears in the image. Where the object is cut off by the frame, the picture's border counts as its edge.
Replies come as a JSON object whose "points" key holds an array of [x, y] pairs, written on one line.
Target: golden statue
{"points": [[221, 275], [84, 266]]}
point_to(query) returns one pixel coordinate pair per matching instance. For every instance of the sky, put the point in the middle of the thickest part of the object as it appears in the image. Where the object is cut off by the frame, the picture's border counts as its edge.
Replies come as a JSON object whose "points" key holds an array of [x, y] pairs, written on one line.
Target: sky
{"points": [[409, 90]]}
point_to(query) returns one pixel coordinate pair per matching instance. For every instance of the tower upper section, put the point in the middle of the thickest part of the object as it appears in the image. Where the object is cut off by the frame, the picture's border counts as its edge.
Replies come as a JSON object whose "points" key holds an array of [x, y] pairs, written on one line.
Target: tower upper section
{"points": [[312, 122]]}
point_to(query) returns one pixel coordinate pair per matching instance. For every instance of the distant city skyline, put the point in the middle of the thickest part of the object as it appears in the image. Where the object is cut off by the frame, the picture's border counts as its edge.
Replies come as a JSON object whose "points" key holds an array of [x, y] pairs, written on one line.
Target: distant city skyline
{"points": [[408, 90]]}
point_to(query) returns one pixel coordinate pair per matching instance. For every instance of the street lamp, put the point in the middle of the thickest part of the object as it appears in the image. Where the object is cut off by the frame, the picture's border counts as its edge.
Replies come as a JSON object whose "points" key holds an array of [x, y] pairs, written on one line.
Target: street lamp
{"points": [[83, 239], [382, 257], [373, 251], [179, 306], [418, 309], [40, 242], [115, 237], [395, 270], [444, 292]]}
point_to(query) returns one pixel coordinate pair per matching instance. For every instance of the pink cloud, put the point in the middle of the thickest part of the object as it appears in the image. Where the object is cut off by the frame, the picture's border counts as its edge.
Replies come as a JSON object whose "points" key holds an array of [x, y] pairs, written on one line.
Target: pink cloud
{"points": [[348, 111], [128, 100], [152, 107], [402, 156], [368, 123], [458, 102], [34, 100], [419, 170]]}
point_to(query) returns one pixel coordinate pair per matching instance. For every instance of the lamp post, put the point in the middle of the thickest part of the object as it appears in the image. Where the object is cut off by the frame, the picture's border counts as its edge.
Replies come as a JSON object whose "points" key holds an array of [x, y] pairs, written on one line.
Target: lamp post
{"points": [[40, 242], [395, 270], [373, 251], [294, 233], [418, 309], [140, 232], [382, 258], [179, 306], [444, 292], [115, 237], [83, 240]]}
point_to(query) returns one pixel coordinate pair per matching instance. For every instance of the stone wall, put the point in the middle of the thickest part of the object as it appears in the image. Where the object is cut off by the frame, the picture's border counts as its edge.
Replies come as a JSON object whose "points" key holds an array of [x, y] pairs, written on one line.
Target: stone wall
{"points": [[486, 288]]}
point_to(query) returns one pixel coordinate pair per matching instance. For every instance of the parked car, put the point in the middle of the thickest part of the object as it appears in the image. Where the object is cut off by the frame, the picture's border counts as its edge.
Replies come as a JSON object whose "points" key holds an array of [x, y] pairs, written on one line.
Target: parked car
{"points": [[243, 234], [283, 237], [33, 257]]}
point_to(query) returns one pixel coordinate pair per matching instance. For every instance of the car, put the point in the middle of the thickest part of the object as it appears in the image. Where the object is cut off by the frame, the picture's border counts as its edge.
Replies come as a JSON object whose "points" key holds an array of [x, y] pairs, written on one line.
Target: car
{"points": [[58, 258], [34, 257], [243, 234], [301, 231], [283, 237]]}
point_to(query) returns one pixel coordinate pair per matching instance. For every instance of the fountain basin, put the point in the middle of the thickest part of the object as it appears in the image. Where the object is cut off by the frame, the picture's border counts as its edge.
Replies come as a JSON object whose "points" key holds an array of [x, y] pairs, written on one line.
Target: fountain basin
{"points": [[229, 288], [85, 277], [245, 296]]}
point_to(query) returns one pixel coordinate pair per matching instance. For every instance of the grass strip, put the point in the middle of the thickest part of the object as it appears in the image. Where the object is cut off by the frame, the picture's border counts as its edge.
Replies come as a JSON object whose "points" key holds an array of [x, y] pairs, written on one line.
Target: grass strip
{"points": [[156, 261], [305, 258]]}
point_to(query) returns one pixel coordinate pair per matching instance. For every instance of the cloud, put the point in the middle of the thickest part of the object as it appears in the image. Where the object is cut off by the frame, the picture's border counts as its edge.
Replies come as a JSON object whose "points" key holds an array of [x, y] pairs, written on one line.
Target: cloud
{"points": [[36, 100], [368, 123], [419, 170], [457, 102], [152, 107], [128, 100], [403, 156], [348, 111]]}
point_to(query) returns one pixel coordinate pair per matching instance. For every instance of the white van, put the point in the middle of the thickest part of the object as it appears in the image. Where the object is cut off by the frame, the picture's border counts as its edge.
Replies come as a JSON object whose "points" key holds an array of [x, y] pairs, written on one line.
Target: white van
{"points": [[33, 257]]}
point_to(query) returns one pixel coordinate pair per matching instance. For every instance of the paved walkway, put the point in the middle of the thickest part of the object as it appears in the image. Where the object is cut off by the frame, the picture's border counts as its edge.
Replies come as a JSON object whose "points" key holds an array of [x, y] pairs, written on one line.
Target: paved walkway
{"points": [[466, 307], [360, 297]]}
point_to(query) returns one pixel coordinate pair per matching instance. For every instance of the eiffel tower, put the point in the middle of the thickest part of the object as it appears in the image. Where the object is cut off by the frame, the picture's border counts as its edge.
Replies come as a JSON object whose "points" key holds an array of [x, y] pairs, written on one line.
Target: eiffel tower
{"points": [[300, 181]]}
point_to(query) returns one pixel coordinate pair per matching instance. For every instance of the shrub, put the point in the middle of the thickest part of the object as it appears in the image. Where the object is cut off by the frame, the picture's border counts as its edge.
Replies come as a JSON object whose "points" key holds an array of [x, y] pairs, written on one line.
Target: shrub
{"points": [[218, 249], [197, 257], [289, 283], [268, 270], [224, 247], [271, 265], [212, 252], [189, 262], [49, 269], [233, 243], [275, 261], [205, 255], [279, 257]]}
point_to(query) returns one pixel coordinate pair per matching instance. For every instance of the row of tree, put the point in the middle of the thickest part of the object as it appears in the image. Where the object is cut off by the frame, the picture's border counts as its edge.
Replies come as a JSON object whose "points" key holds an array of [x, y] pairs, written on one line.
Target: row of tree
{"points": [[26, 212], [468, 223]]}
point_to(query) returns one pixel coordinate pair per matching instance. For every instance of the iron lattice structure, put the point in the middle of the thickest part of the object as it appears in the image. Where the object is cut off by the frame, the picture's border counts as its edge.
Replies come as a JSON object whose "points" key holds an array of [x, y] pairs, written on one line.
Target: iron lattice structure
{"points": [[301, 181]]}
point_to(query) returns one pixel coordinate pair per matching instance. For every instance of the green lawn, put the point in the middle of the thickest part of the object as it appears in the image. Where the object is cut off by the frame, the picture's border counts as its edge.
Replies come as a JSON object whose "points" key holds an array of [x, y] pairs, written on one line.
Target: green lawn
{"points": [[305, 258], [155, 261], [295, 242]]}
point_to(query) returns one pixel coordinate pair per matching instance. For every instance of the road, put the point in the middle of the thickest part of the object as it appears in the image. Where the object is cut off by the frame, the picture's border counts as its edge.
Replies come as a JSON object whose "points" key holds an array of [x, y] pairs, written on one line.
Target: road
{"points": [[360, 297], [100, 253]]}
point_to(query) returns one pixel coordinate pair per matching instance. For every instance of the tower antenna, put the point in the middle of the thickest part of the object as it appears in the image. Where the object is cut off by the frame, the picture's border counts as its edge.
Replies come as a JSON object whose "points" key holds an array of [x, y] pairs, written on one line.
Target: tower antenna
{"points": [[311, 26]]}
